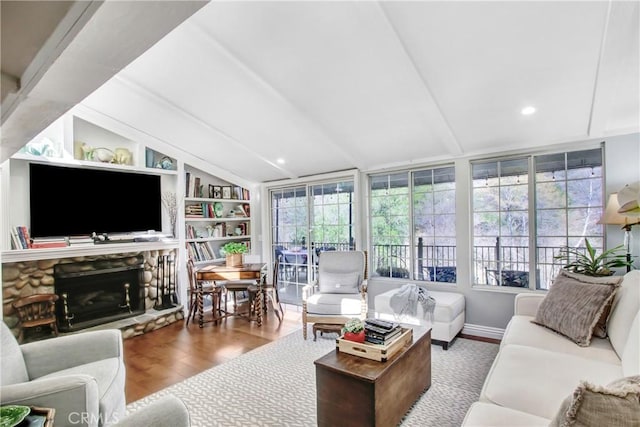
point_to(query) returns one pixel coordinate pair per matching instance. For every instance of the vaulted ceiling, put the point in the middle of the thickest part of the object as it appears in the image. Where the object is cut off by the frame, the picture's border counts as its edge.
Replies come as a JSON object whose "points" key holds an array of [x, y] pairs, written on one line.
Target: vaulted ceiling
{"points": [[333, 85]]}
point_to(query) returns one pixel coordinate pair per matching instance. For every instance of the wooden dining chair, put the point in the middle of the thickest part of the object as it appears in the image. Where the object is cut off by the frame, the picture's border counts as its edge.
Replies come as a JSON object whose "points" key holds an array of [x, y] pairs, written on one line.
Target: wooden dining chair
{"points": [[209, 289], [270, 293]]}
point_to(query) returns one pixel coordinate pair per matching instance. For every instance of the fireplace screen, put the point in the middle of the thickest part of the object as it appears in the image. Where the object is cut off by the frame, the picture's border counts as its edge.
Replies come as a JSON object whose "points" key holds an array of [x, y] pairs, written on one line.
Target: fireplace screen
{"points": [[96, 292]]}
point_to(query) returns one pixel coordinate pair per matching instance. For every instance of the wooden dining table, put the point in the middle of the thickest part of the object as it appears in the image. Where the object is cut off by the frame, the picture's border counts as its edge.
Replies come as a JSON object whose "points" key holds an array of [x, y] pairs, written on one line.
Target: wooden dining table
{"points": [[220, 272]]}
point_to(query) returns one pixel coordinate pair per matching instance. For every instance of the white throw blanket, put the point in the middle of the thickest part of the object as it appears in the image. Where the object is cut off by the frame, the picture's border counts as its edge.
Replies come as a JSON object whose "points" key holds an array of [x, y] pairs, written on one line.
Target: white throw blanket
{"points": [[405, 302]]}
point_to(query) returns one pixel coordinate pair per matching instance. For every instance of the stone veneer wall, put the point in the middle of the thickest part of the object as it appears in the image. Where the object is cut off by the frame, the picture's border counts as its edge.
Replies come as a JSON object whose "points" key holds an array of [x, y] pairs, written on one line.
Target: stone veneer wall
{"points": [[24, 278]]}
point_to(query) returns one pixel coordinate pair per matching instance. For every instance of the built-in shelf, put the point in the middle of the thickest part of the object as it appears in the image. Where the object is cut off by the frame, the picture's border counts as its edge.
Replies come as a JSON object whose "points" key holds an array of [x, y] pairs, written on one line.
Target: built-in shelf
{"points": [[89, 164], [235, 218], [86, 249], [216, 239]]}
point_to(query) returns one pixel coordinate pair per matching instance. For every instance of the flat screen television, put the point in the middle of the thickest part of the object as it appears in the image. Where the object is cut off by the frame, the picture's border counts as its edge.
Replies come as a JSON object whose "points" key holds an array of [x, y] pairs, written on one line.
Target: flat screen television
{"points": [[69, 201]]}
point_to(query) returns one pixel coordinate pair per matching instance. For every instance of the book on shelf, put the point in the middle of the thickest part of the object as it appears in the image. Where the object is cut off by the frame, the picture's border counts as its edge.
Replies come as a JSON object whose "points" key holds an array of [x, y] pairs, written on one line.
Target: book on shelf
{"points": [[191, 185], [200, 251], [25, 233], [15, 240], [20, 237], [193, 211], [43, 245], [196, 187], [237, 192]]}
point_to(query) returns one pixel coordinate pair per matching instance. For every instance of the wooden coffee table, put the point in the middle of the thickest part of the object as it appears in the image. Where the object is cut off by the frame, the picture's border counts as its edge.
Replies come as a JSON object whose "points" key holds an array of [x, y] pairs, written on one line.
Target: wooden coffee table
{"points": [[355, 391]]}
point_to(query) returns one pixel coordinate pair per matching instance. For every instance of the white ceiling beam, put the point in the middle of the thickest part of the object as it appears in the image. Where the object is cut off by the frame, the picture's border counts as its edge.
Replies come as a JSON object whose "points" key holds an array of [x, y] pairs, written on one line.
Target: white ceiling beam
{"points": [[68, 28], [618, 75], [336, 147], [79, 57], [219, 133], [453, 144]]}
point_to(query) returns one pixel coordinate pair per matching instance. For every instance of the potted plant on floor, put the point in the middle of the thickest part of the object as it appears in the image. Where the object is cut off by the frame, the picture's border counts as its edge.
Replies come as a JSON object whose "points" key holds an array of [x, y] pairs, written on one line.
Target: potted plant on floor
{"points": [[353, 330], [233, 253], [591, 264]]}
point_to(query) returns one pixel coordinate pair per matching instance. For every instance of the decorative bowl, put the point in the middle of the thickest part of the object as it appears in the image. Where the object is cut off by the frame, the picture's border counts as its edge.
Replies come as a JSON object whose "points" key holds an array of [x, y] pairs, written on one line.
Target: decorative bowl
{"points": [[12, 415]]}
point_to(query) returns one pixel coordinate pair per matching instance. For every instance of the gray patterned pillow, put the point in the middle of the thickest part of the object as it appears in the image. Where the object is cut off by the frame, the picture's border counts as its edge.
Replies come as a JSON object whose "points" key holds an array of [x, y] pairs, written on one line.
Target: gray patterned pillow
{"points": [[574, 305], [617, 404]]}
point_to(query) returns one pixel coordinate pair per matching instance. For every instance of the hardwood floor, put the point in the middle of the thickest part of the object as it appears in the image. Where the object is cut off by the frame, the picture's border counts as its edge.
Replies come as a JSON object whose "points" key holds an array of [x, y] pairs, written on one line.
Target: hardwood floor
{"points": [[176, 352], [171, 354]]}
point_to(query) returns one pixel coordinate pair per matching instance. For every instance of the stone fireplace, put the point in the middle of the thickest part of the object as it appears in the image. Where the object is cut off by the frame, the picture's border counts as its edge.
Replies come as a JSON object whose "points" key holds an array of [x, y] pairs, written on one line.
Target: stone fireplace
{"points": [[95, 292], [95, 287]]}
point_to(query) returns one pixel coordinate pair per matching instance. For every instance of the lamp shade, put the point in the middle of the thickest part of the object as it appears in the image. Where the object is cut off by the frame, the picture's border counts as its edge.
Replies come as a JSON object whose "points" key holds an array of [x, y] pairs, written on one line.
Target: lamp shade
{"points": [[629, 200], [613, 217]]}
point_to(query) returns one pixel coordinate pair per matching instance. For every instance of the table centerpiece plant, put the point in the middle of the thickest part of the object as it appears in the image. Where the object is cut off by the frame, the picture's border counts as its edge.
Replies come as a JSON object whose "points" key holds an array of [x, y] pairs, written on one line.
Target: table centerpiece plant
{"points": [[233, 253], [353, 330]]}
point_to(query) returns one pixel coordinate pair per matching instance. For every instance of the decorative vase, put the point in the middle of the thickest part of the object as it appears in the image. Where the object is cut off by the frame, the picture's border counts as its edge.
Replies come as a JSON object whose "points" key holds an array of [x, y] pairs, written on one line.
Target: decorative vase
{"points": [[354, 336], [234, 260], [149, 158]]}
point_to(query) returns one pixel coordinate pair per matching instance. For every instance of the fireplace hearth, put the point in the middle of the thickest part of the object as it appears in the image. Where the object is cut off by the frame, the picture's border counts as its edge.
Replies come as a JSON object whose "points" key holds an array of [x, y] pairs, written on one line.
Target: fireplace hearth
{"points": [[96, 292]]}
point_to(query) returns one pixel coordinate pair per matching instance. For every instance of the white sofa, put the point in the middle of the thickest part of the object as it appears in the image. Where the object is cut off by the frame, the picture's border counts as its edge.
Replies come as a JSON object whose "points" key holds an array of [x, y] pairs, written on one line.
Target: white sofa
{"points": [[536, 368]]}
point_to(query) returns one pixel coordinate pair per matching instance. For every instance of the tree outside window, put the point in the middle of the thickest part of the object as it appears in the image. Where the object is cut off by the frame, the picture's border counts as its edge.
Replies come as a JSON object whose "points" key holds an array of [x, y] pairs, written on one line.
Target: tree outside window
{"points": [[412, 217], [566, 199]]}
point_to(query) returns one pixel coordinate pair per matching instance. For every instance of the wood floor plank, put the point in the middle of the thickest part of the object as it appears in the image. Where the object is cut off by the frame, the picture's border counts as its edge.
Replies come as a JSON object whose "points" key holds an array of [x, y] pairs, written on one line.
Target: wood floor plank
{"points": [[176, 352]]}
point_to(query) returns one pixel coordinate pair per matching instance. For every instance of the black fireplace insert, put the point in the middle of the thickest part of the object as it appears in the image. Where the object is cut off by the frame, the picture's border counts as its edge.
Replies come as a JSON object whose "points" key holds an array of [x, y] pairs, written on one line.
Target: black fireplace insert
{"points": [[96, 292]]}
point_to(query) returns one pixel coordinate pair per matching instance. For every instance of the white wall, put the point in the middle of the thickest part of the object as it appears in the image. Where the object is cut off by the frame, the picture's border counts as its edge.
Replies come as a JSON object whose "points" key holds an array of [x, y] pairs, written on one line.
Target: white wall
{"points": [[622, 165]]}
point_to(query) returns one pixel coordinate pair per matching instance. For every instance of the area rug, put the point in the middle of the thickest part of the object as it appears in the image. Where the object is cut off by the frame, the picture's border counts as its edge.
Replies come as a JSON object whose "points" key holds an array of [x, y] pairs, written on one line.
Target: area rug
{"points": [[274, 385]]}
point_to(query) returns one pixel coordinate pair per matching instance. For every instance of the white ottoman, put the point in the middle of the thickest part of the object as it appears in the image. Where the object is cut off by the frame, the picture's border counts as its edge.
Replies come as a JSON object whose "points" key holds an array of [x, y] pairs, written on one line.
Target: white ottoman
{"points": [[448, 317]]}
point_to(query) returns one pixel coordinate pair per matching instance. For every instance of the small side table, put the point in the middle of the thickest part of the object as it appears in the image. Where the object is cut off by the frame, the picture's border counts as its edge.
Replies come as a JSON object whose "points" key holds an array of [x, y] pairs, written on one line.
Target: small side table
{"points": [[326, 327]]}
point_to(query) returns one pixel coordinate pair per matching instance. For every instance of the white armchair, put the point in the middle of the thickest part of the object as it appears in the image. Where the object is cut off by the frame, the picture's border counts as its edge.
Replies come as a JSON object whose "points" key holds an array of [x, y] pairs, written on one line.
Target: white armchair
{"points": [[340, 292], [82, 376]]}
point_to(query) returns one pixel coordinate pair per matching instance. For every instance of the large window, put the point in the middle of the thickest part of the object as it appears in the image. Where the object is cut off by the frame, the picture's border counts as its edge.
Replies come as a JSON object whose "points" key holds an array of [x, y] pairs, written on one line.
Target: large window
{"points": [[544, 202], [569, 203], [412, 217]]}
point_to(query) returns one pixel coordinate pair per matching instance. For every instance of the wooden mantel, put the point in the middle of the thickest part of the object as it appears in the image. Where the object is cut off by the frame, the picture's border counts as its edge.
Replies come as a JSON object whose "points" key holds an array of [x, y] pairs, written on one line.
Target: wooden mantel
{"points": [[85, 249]]}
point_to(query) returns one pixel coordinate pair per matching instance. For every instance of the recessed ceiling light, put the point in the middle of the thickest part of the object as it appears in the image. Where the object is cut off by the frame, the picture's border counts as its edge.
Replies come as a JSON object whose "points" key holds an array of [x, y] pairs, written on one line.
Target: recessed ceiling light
{"points": [[280, 161], [526, 111]]}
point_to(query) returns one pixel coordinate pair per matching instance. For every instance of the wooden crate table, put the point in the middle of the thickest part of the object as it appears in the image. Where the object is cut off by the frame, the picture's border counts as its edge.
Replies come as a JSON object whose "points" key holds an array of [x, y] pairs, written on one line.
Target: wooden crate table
{"points": [[356, 391]]}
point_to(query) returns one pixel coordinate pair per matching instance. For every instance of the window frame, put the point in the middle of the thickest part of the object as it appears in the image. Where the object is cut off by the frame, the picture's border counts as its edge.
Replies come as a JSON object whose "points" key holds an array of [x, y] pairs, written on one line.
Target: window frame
{"points": [[411, 259], [534, 279]]}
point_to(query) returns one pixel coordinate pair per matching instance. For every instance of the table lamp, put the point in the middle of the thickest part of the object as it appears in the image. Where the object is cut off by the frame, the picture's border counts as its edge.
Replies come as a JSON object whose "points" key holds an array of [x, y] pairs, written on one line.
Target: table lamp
{"points": [[612, 216]]}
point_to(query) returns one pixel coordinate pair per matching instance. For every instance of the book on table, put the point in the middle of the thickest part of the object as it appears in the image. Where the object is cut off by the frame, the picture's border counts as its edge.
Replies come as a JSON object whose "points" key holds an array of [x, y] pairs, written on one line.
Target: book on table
{"points": [[372, 330], [381, 332]]}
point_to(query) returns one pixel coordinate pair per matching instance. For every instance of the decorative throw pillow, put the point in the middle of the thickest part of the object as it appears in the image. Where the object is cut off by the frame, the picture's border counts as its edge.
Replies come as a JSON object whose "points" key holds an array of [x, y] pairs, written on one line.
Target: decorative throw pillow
{"points": [[574, 305], [600, 329], [339, 283], [617, 404]]}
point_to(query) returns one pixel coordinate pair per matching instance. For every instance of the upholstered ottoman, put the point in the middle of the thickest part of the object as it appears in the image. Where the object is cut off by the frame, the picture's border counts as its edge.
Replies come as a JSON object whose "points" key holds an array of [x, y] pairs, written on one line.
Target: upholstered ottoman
{"points": [[448, 317]]}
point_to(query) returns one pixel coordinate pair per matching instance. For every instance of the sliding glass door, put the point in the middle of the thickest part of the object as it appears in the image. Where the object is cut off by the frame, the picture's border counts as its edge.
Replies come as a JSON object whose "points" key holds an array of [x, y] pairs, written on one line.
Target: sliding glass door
{"points": [[305, 221]]}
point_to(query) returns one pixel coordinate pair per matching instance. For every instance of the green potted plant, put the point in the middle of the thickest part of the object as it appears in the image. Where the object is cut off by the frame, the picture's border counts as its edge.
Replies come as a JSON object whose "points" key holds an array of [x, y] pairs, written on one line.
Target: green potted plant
{"points": [[353, 330], [233, 253], [591, 264]]}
